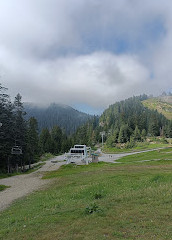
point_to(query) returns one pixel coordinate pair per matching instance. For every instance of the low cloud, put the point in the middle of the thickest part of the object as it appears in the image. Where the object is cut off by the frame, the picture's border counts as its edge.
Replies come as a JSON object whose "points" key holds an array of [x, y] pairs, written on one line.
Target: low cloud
{"points": [[97, 79], [85, 51]]}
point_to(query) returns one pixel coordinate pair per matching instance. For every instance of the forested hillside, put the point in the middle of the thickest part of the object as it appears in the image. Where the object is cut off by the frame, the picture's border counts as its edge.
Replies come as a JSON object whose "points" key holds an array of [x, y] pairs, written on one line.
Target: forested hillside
{"points": [[161, 104], [64, 116], [125, 122]]}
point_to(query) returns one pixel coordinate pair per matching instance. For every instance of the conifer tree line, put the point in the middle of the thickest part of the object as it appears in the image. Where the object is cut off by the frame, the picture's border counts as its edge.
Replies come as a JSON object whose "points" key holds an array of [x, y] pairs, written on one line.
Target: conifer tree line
{"points": [[89, 133], [16, 131], [125, 121]]}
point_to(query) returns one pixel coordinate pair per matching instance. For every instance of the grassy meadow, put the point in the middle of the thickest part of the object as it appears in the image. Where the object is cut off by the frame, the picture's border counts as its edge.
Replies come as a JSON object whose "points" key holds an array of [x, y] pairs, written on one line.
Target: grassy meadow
{"points": [[131, 199], [154, 143], [158, 104]]}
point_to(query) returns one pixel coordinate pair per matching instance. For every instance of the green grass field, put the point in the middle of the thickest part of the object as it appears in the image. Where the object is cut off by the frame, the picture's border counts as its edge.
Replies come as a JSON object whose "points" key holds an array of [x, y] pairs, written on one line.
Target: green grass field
{"points": [[140, 147], [162, 107], [128, 200], [153, 157]]}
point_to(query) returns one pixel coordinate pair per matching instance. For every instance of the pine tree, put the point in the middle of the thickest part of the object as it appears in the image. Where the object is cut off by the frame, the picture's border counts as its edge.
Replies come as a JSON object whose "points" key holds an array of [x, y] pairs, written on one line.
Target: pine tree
{"points": [[32, 140], [20, 129], [6, 129], [57, 138], [137, 135], [124, 134], [45, 141], [143, 134], [168, 130]]}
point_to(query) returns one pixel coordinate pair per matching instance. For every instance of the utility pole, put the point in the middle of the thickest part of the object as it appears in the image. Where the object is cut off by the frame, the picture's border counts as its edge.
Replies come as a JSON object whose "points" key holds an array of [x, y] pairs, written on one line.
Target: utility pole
{"points": [[102, 134]]}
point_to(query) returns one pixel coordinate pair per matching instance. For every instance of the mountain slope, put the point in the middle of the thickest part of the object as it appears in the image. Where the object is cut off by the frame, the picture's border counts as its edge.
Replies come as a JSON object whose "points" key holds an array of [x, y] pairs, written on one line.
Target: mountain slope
{"points": [[125, 121], [161, 104], [64, 116]]}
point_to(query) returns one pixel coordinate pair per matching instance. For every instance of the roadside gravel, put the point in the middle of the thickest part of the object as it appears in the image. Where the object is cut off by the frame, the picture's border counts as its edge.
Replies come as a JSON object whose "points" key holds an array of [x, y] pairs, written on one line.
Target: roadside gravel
{"points": [[21, 185]]}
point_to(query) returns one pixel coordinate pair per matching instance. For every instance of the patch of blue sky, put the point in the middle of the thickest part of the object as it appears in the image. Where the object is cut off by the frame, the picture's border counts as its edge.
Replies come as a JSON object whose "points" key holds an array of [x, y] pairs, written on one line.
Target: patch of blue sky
{"points": [[151, 32], [128, 41], [88, 109], [155, 29], [152, 76], [109, 40]]}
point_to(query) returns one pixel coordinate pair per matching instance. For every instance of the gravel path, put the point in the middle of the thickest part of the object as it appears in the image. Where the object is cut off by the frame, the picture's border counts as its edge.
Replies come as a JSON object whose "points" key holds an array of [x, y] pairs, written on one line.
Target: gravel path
{"points": [[21, 185], [113, 157]]}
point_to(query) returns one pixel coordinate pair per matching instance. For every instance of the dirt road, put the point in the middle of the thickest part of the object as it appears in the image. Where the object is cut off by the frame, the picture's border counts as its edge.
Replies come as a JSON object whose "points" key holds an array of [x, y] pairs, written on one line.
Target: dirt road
{"points": [[21, 185]]}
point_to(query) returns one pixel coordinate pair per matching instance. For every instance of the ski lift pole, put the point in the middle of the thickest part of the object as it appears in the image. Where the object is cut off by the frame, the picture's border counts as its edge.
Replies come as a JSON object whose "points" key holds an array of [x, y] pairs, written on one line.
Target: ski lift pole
{"points": [[102, 140], [102, 134]]}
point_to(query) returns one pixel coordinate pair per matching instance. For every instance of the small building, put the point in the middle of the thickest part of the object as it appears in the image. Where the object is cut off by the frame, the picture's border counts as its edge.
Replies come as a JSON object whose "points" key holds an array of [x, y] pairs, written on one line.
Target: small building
{"points": [[95, 158]]}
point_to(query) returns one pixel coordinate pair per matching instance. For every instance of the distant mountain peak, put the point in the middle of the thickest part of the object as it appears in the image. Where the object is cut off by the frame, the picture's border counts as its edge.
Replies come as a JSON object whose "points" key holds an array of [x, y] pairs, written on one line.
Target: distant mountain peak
{"points": [[59, 114]]}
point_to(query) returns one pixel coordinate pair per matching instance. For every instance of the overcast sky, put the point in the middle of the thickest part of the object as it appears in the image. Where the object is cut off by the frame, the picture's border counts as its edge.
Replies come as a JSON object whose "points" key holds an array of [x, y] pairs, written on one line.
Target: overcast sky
{"points": [[85, 53]]}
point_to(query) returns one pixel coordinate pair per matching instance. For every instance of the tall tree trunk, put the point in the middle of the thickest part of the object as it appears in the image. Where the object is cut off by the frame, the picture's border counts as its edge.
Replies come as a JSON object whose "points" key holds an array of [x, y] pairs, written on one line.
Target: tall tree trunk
{"points": [[29, 162], [17, 168], [24, 166], [8, 165], [21, 164]]}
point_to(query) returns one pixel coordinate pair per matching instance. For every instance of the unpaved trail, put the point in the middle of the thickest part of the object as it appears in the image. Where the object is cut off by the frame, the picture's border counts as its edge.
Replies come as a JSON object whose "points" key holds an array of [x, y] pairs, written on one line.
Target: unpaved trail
{"points": [[105, 157], [21, 185]]}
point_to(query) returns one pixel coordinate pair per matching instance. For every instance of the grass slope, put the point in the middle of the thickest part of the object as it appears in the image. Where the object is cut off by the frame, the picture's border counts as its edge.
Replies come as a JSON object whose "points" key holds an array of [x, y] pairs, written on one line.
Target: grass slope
{"points": [[140, 147], [160, 105], [129, 200]]}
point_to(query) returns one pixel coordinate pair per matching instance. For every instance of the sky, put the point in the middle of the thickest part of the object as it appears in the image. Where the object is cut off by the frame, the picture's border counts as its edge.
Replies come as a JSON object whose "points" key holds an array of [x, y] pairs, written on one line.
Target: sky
{"points": [[85, 53]]}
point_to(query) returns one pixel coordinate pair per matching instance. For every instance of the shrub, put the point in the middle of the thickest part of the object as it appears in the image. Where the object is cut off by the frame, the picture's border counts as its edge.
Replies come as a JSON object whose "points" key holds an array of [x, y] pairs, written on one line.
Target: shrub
{"points": [[98, 196], [92, 209]]}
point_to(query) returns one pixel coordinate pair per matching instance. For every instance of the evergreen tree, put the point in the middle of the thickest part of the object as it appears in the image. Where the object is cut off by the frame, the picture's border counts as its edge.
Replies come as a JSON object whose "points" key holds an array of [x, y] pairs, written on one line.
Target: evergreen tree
{"points": [[168, 130], [137, 135], [124, 134], [143, 134], [45, 141], [6, 128], [153, 129], [20, 123], [57, 138], [32, 139], [20, 129]]}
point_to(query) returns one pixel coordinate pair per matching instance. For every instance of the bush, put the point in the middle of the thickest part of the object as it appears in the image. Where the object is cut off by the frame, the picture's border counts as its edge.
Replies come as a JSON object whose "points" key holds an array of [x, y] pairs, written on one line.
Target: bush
{"points": [[130, 144], [92, 209], [98, 196]]}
